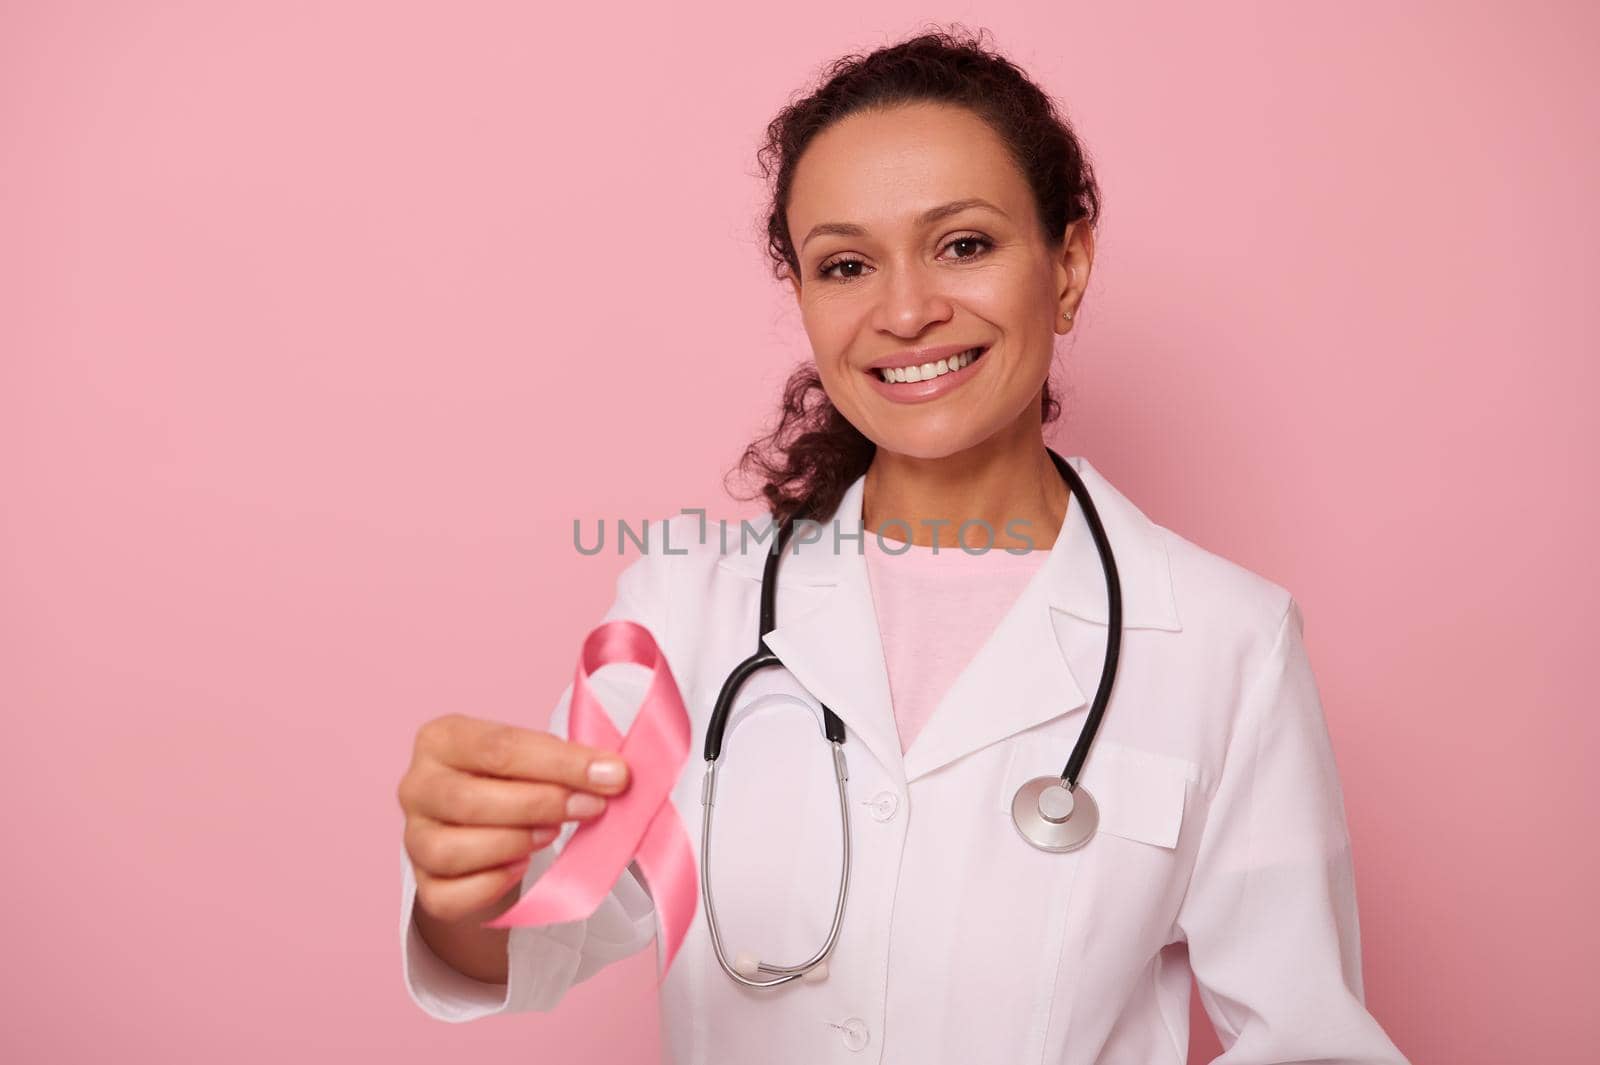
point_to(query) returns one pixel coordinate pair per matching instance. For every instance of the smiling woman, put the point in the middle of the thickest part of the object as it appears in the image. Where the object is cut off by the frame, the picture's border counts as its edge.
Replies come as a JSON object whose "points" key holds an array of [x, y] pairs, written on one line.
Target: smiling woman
{"points": [[933, 215], [933, 187]]}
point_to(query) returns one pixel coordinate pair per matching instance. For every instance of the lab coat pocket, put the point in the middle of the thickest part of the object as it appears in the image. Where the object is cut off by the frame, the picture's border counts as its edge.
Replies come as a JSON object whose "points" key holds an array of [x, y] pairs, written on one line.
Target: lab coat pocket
{"points": [[1140, 794]]}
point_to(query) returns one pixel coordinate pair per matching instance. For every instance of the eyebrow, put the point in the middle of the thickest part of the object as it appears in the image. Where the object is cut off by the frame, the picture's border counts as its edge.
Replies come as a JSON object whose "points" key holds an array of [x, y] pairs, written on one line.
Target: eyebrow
{"points": [[928, 217]]}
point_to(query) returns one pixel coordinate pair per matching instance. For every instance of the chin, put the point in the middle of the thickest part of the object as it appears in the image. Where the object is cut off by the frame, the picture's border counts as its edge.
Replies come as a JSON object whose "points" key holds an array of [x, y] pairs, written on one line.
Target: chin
{"points": [[931, 438]]}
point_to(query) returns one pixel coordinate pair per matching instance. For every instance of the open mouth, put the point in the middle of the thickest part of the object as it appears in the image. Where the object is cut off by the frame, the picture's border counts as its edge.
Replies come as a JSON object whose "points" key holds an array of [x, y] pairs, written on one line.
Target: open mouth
{"points": [[929, 370]]}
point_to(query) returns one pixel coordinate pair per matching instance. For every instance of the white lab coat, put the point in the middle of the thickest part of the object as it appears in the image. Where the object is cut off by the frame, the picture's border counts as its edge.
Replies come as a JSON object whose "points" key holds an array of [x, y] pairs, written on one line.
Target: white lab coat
{"points": [[1222, 852]]}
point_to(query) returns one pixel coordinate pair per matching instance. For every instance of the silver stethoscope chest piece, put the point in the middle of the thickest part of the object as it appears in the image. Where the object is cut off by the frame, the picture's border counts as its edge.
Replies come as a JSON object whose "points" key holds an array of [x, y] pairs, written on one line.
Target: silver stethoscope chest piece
{"points": [[1053, 818]]}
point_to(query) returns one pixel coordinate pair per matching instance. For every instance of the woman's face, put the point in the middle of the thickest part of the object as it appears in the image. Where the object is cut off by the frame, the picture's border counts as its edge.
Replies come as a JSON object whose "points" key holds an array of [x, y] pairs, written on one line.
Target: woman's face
{"points": [[914, 231]]}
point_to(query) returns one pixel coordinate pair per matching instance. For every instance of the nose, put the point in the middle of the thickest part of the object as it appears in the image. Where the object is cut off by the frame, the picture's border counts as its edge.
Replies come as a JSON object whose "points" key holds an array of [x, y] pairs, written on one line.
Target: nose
{"points": [[910, 299]]}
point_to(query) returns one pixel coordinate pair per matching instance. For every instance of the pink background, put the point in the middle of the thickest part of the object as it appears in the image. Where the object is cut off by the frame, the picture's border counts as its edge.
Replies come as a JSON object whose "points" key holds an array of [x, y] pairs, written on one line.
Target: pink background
{"points": [[323, 322]]}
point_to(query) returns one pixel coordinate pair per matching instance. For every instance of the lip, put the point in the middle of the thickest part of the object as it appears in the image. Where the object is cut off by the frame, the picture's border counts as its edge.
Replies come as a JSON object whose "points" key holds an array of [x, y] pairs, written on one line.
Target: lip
{"points": [[922, 391], [917, 356]]}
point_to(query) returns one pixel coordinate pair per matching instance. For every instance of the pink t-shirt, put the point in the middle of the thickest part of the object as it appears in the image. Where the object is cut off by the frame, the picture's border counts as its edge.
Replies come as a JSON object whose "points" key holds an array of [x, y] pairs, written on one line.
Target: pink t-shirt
{"points": [[935, 610]]}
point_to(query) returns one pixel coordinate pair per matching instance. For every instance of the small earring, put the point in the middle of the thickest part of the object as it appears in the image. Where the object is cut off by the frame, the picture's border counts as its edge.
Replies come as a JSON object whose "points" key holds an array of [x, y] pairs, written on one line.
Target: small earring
{"points": [[1067, 315]]}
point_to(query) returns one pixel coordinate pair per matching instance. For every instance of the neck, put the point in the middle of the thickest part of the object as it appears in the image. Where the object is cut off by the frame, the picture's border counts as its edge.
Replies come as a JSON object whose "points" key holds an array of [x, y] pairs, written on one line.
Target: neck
{"points": [[1011, 486]]}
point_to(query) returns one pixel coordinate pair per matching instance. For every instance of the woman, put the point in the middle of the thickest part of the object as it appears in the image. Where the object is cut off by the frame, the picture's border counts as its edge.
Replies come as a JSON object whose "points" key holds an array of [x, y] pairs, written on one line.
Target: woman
{"points": [[932, 211]]}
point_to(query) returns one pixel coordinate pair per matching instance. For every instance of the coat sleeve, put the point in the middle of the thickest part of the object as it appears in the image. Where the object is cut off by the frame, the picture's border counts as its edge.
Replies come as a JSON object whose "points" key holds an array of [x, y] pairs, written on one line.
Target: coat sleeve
{"points": [[545, 961], [1270, 914]]}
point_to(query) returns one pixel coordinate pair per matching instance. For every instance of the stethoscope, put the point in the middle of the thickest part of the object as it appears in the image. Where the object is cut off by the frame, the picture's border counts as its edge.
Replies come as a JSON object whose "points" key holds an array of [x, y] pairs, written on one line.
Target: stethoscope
{"points": [[1052, 813]]}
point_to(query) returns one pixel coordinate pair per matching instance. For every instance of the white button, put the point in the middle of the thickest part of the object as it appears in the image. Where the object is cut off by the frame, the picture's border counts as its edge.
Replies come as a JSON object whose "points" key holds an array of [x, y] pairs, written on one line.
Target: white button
{"points": [[854, 1033], [884, 804]]}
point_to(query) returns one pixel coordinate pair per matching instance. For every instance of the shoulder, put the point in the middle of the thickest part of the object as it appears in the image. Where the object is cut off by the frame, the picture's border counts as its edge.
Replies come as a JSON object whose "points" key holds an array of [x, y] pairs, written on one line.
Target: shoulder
{"points": [[664, 551], [1224, 604], [678, 558], [1240, 655], [1214, 608]]}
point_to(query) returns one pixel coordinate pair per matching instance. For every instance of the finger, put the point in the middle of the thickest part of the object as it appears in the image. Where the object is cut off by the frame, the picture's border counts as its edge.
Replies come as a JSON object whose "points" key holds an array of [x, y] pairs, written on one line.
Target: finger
{"points": [[492, 748], [454, 898], [464, 799], [446, 850]]}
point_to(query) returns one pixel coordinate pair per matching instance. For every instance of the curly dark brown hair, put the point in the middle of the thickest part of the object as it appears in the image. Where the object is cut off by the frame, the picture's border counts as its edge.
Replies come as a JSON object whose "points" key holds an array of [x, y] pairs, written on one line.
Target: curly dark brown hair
{"points": [[813, 454]]}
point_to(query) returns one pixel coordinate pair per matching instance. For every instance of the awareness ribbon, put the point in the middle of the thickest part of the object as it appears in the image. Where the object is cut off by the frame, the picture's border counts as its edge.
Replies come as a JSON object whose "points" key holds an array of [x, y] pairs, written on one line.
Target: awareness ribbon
{"points": [[639, 825]]}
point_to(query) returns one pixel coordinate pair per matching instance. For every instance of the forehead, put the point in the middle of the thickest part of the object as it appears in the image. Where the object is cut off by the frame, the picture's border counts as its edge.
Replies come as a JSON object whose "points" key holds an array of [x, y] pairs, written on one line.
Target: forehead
{"points": [[881, 168]]}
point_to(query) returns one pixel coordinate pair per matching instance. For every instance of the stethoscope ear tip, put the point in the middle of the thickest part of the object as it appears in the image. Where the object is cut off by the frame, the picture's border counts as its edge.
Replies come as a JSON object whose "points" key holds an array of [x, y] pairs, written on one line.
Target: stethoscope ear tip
{"points": [[748, 966]]}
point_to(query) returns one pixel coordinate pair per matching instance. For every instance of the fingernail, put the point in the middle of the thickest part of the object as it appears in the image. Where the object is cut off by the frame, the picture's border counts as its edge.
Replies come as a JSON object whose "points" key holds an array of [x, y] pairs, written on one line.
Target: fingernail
{"points": [[541, 836], [608, 772], [581, 804]]}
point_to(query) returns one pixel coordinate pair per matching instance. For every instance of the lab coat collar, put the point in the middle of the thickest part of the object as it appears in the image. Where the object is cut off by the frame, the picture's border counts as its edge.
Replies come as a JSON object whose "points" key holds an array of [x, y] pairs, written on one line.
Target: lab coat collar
{"points": [[827, 632]]}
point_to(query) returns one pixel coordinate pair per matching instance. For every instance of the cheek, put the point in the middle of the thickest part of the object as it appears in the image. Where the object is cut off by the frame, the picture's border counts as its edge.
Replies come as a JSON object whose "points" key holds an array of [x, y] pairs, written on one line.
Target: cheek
{"points": [[830, 329], [1024, 309], [840, 384], [1013, 296]]}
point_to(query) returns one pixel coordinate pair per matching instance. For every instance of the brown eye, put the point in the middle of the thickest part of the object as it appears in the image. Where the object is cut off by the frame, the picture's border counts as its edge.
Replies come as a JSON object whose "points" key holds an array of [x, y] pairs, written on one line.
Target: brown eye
{"points": [[970, 242], [827, 271]]}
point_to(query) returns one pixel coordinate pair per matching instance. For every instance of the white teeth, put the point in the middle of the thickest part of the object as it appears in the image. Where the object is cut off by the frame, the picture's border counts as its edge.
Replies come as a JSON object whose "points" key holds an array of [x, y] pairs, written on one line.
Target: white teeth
{"points": [[929, 370]]}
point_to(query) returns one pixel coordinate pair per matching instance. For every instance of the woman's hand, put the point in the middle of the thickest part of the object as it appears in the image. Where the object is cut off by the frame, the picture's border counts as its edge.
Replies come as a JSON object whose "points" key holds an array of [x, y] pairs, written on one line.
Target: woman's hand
{"points": [[480, 797]]}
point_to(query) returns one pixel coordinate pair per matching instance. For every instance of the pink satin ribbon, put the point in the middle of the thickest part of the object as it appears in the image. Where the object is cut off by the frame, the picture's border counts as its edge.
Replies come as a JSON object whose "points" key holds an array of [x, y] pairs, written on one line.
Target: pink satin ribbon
{"points": [[639, 825]]}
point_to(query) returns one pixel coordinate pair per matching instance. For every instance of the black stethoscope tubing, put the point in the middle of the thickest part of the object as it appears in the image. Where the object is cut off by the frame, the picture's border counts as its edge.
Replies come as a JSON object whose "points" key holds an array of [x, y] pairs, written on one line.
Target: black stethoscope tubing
{"points": [[833, 728]]}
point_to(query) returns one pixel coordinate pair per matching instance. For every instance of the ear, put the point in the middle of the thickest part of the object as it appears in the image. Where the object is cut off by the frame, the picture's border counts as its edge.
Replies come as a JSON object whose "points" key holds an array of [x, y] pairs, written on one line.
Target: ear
{"points": [[1072, 271], [794, 283]]}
